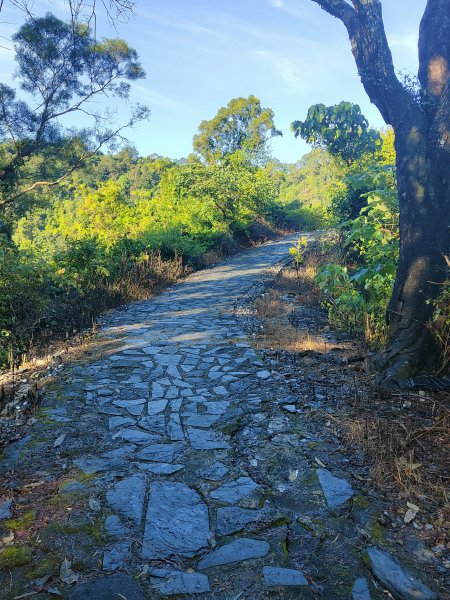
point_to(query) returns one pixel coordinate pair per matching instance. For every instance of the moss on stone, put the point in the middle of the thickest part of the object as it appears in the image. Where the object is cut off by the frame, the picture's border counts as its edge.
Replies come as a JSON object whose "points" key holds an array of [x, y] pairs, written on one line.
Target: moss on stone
{"points": [[16, 556], [361, 502], [21, 523], [49, 565]]}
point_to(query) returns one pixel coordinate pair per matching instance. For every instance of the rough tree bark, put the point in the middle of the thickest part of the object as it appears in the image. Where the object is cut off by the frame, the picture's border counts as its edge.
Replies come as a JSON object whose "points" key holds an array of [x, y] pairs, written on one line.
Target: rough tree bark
{"points": [[422, 141]]}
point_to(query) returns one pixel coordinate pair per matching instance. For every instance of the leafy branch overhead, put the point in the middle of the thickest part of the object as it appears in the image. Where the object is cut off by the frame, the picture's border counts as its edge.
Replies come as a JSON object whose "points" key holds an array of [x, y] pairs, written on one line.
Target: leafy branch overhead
{"points": [[341, 129], [64, 69]]}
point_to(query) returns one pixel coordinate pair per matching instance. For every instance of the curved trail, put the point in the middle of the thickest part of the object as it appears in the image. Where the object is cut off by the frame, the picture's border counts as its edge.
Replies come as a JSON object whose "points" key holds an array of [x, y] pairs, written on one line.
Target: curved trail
{"points": [[176, 456]]}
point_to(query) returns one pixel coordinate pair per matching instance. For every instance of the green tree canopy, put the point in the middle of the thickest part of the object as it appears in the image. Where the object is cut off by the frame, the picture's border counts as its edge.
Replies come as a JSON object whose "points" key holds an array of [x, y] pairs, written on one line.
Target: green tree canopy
{"points": [[63, 69], [242, 126], [341, 129]]}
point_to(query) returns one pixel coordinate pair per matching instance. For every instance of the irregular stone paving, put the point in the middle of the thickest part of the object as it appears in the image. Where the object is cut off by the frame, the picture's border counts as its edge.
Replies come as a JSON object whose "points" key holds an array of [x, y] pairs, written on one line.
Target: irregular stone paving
{"points": [[180, 445]]}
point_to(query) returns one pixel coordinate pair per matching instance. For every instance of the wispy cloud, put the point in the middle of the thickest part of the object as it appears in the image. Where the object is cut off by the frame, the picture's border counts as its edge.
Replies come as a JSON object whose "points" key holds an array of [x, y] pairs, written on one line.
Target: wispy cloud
{"points": [[153, 98], [408, 42], [184, 25], [284, 67], [302, 12]]}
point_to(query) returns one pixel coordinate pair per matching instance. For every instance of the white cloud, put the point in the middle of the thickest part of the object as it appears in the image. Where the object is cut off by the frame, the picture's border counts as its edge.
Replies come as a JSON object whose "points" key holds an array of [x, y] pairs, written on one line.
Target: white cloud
{"points": [[277, 3], [283, 66], [408, 42], [153, 98]]}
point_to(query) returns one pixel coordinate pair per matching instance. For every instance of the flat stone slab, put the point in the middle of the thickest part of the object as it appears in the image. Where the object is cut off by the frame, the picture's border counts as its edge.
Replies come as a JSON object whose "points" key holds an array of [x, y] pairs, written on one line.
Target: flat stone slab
{"points": [[177, 522], [161, 468], [11, 454], [202, 420], [185, 583], [114, 526], [160, 452], [127, 497], [236, 551], [115, 557], [156, 406], [336, 491], [232, 519], [137, 436], [360, 590], [202, 439], [215, 472], [153, 423], [108, 588], [233, 492], [397, 580], [91, 465], [277, 577], [5, 509]]}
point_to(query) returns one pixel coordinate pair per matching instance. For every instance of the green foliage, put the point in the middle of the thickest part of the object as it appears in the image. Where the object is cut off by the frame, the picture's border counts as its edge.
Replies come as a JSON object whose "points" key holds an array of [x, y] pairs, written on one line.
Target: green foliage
{"points": [[61, 67], [341, 129], [298, 253], [357, 299], [243, 127]]}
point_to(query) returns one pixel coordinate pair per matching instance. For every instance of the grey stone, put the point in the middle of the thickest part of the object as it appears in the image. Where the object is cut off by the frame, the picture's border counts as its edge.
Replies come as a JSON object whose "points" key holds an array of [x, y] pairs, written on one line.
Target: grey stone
{"points": [[119, 454], [360, 590], [127, 497], [11, 454], [174, 428], [5, 509], [161, 468], [156, 406], [202, 420], [215, 472], [155, 424], [235, 490], [116, 555], [177, 522], [114, 527], [336, 491], [167, 360], [137, 436], [115, 422], [236, 551], [157, 391], [399, 582], [185, 583], [134, 407], [202, 439], [263, 374], [277, 577], [160, 452], [92, 465], [233, 519], [216, 408], [73, 488], [113, 587]]}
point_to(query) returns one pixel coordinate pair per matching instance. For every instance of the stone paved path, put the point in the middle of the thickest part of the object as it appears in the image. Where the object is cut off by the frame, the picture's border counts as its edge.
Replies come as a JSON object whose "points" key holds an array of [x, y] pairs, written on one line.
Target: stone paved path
{"points": [[180, 459]]}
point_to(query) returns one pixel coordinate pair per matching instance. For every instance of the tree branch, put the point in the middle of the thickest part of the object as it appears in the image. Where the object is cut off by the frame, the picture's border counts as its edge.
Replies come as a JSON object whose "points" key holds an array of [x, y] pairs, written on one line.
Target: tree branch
{"points": [[364, 23], [434, 50], [337, 8]]}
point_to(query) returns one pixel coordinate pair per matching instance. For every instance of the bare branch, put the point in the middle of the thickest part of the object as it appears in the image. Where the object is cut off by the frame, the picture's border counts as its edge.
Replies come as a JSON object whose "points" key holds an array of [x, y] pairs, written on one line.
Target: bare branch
{"points": [[364, 23], [337, 8]]}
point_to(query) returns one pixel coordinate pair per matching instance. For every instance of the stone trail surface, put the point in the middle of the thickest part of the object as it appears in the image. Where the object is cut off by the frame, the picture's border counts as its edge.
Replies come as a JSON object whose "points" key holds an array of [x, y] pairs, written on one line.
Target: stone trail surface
{"points": [[177, 459]]}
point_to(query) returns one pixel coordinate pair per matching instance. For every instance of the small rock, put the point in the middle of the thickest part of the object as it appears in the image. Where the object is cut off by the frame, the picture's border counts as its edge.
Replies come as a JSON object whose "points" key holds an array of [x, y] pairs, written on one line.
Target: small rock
{"points": [[399, 582], [5, 509], [235, 490], [276, 577], [215, 472], [114, 526], [115, 557], [237, 551], [336, 491], [107, 588], [361, 590], [73, 488], [234, 518], [185, 583], [127, 496]]}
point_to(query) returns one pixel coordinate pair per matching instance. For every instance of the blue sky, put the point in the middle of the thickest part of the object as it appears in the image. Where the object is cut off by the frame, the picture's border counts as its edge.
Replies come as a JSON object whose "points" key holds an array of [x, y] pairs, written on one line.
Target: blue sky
{"points": [[199, 54]]}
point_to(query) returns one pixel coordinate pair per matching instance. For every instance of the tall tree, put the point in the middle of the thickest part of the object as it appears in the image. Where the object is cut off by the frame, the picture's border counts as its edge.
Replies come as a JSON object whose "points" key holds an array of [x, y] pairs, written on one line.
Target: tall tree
{"points": [[421, 123], [242, 126], [64, 70]]}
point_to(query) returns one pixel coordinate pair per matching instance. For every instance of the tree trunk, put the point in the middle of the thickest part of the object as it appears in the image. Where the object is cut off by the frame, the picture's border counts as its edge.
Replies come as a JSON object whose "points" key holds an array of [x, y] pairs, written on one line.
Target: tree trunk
{"points": [[422, 132], [423, 178]]}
